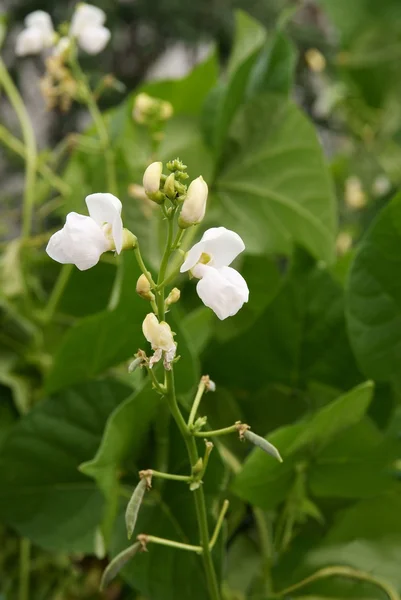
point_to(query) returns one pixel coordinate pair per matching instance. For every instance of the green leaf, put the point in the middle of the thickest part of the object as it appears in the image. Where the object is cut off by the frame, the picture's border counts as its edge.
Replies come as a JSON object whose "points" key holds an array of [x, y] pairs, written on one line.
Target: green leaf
{"points": [[302, 333], [264, 482], [42, 493], [358, 464], [188, 94], [103, 340], [224, 100], [366, 536], [373, 297], [274, 68], [275, 191]]}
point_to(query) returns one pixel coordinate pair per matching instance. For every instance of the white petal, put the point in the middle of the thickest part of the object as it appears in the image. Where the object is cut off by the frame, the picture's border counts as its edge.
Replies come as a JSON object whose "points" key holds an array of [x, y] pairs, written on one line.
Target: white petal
{"points": [[223, 290], [93, 39], [223, 245], [29, 41], [39, 19], [63, 45], [192, 257], [194, 207], [57, 248], [86, 15], [106, 208], [80, 242]]}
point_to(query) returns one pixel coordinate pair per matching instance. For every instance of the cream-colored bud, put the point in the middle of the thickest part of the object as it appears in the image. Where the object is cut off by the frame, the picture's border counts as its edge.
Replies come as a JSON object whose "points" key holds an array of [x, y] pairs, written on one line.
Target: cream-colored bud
{"points": [[158, 334], [169, 186], [143, 288], [315, 60], [143, 104], [355, 197], [194, 207], [173, 296], [151, 177]]}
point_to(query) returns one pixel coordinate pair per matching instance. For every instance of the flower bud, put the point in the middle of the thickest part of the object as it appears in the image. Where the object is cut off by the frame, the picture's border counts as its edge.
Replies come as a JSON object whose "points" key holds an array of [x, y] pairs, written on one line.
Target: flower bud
{"points": [[148, 109], [169, 186], [143, 288], [194, 207], [151, 182], [173, 296]]}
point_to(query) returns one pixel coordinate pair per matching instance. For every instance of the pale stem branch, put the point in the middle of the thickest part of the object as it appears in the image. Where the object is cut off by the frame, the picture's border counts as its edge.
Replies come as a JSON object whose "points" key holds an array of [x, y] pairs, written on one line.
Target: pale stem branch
{"points": [[219, 524], [30, 147], [216, 432], [197, 401], [341, 571], [152, 539], [142, 266], [170, 476]]}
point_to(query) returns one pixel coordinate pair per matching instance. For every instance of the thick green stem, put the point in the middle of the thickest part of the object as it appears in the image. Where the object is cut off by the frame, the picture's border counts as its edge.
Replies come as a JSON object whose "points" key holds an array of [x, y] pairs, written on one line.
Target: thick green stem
{"points": [[24, 569], [162, 271], [30, 148], [199, 497]]}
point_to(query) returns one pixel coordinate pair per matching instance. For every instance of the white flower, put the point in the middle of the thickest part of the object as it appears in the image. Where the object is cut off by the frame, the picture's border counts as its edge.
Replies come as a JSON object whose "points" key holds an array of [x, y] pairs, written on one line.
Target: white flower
{"points": [[194, 207], [151, 178], [83, 239], [221, 288], [87, 25], [160, 336], [37, 35], [63, 46]]}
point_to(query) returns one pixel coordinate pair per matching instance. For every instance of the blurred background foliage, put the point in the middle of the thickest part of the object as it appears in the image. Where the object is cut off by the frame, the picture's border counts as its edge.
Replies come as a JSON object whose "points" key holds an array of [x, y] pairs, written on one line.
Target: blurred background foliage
{"points": [[291, 111]]}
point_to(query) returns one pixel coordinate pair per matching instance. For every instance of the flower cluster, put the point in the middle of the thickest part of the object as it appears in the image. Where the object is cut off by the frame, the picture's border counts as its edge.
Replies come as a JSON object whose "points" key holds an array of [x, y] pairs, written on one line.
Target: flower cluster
{"points": [[83, 239], [86, 27]]}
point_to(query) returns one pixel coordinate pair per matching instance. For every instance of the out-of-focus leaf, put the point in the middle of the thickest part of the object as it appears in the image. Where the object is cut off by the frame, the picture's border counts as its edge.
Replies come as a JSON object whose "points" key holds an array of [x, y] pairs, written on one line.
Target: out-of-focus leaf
{"points": [[264, 482], [274, 68], [224, 100], [101, 341], [373, 297], [43, 495], [366, 536], [275, 191], [358, 464], [300, 337]]}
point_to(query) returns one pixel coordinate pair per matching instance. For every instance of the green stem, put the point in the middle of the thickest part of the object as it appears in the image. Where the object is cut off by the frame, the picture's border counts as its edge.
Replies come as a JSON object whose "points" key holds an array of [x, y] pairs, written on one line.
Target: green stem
{"points": [[156, 382], [142, 266], [340, 571], [152, 539], [199, 497], [170, 476], [219, 523], [30, 148], [57, 292], [18, 147], [163, 268], [215, 432], [24, 569], [266, 548], [100, 126], [198, 398]]}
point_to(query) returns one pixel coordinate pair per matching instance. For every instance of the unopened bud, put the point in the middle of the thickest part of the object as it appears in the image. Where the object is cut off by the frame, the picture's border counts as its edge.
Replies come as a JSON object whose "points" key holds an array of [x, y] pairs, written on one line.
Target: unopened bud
{"points": [[355, 197], [137, 362], [143, 288], [173, 296], [315, 60], [129, 240], [198, 466], [151, 182], [148, 109], [194, 207], [169, 186]]}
